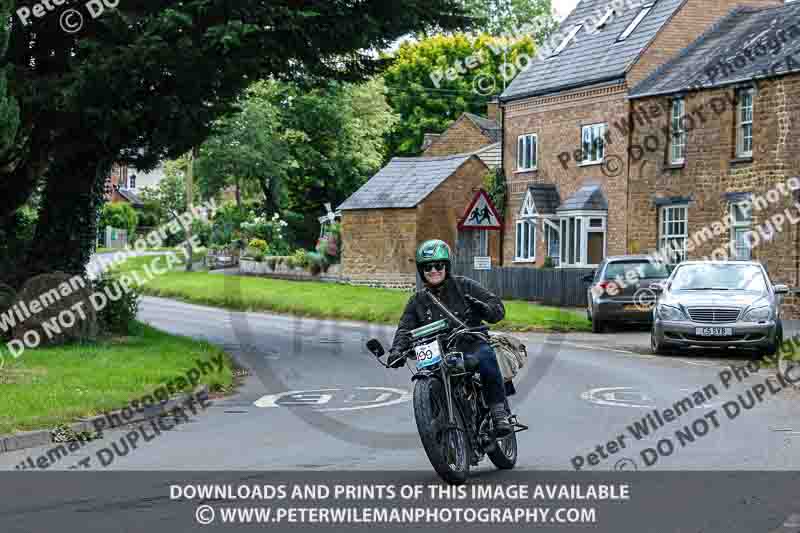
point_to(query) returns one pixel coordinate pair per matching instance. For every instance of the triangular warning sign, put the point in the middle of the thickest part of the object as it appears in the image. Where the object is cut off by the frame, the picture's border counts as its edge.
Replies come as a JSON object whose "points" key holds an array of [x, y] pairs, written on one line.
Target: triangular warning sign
{"points": [[481, 213]]}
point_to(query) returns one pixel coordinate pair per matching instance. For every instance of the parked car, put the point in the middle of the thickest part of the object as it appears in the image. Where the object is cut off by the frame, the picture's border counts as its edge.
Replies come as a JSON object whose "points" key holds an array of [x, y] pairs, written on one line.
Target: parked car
{"points": [[619, 290], [718, 304]]}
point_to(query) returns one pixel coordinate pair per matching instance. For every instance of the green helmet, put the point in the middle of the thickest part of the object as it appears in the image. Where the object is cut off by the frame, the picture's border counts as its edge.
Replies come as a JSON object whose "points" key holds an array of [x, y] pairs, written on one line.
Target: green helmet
{"points": [[431, 252]]}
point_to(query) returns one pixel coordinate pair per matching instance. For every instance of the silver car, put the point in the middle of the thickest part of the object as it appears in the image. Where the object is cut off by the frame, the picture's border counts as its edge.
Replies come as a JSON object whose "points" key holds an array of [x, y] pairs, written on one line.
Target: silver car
{"points": [[718, 304]]}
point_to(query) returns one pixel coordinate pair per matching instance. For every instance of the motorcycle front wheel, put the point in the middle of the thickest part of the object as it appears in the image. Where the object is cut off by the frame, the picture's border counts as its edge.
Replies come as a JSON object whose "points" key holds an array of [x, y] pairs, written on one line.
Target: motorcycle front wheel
{"points": [[448, 449]]}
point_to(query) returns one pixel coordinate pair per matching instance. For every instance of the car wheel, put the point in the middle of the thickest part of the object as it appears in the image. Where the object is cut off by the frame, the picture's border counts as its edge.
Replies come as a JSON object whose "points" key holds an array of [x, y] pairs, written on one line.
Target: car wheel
{"points": [[658, 348], [773, 348]]}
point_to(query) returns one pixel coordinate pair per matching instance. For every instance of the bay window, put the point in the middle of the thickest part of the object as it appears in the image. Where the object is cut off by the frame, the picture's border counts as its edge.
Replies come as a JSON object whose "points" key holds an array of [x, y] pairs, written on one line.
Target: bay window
{"points": [[583, 238]]}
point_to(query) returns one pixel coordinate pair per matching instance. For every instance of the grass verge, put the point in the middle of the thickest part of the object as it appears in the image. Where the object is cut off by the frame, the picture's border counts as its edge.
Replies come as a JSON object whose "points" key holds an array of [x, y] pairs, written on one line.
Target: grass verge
{"points": [[328, 300], [51, 386]]}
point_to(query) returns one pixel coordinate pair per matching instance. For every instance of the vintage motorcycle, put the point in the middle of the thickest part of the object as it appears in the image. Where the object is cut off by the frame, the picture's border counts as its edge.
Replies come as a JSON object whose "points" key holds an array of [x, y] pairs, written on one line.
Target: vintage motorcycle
{"points": [[453, 418]]}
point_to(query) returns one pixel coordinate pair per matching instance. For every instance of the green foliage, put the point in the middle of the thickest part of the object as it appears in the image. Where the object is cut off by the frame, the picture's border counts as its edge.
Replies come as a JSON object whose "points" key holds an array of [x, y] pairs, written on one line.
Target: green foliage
{"points": [[268, 230], [258, 244], [118, 317], [495, 184], [548, 262], [502, 17], [16, 237], [427, 101], [9, 109], [227, 223], [120, 216], [300, 259]]}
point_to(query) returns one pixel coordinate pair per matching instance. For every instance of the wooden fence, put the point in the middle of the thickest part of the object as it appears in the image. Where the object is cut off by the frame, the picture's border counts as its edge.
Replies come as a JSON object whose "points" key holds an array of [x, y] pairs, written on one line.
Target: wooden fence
{"points": [[562, 287]]}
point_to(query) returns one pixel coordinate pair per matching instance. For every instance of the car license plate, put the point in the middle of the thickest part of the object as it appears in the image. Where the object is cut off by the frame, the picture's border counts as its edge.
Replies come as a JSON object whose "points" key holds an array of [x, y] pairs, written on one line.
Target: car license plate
{"points": [[428, 354], [714, 332], [630, 307]]}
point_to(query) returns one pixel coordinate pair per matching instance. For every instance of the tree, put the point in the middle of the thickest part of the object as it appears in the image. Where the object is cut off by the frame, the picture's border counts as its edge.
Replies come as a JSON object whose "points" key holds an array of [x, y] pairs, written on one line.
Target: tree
{"points": [[337, 145], [146, 80], [430, 83], [512, 17], [248, 150], [297, 148]]}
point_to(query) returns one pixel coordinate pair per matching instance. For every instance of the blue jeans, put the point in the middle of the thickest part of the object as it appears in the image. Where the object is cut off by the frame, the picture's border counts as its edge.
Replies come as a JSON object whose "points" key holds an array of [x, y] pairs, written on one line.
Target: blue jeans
{"points": [[492, 380]]}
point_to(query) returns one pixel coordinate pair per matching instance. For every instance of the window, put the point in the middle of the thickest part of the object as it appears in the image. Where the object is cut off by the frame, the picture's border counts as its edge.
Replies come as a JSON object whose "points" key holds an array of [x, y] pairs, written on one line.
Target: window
{"points": [[635, 22], [552, 239], [526, 152], [593, 148], [526, 240], [744, 124], [741, 226], [605, 18], [567, 40], [678, 132], [674, 233], [132, 181], [583, 239]]}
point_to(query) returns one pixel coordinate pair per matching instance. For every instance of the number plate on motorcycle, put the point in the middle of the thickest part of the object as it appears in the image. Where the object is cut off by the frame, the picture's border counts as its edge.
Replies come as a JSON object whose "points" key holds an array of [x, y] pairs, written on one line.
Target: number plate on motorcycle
{"points": [[428, 354]]}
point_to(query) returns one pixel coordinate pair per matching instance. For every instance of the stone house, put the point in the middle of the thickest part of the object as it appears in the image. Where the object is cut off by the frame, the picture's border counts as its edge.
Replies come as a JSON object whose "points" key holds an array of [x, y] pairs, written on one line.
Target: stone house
{"points": [[566, 134], [413, 199], [716, 165]]}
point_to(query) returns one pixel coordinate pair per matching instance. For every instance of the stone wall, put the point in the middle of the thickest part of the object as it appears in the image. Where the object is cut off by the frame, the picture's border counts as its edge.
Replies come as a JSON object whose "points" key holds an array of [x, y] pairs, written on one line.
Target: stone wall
{"points": [[379, 242]]}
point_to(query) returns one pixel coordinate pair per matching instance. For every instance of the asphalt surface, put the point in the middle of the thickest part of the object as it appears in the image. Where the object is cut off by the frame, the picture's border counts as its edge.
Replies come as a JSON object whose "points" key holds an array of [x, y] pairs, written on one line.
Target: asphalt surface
{"points": [[315, 399]]}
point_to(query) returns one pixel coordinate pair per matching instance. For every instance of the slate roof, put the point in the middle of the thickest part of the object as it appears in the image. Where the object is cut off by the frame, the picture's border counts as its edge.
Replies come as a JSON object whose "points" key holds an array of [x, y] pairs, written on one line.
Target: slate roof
{"points": [[545, 198], [490, 128], [131, 197], [588, 198], [592, 58], [404, 182], [737, 48]]}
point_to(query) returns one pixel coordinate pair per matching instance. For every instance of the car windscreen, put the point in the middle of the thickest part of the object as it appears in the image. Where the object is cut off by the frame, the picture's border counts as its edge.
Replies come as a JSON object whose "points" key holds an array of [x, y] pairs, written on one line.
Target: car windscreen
{"points": [[641, 269], [719, 277]]}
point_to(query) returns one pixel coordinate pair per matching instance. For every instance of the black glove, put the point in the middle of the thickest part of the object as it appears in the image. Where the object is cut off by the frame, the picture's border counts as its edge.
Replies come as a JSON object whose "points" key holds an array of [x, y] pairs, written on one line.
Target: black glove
{"points": [[396, 360], [482, 309]]}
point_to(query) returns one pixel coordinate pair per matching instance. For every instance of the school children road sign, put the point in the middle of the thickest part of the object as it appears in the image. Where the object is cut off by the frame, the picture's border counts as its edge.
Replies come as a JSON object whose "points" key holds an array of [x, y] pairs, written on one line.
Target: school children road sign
{"points": [[481, 213]]}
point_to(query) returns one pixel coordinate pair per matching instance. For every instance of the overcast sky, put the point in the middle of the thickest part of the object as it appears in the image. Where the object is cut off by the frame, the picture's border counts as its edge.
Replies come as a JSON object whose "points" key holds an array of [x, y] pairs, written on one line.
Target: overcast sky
{"points": [[563, 7]]}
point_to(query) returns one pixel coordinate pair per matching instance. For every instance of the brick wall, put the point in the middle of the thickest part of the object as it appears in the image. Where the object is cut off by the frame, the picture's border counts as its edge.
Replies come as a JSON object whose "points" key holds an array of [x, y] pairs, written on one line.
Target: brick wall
{"points": [[557, 121], [379, 245], [686, 25], [710, 171], [461, 137]]}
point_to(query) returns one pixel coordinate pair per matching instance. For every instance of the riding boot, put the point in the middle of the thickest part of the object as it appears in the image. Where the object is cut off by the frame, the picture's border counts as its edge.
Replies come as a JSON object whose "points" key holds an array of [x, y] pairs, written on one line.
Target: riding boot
{"points": [[502, 427]]}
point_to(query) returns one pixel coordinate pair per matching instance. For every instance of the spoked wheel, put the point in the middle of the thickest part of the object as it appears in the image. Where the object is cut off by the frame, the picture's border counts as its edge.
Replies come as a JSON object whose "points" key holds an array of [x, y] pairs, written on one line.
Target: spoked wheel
{"points": [[447, 448], [504, 455]]}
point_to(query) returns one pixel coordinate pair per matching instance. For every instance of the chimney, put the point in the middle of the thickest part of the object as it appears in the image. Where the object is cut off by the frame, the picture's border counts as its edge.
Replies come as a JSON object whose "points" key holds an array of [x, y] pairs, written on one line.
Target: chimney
{"points": [[491, 109], [428, 140]]}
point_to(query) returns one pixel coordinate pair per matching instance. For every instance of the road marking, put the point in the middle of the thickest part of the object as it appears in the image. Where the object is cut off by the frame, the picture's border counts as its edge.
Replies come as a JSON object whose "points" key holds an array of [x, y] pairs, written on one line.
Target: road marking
{"points": [[318, 397], [608, 396], [629, 397]]}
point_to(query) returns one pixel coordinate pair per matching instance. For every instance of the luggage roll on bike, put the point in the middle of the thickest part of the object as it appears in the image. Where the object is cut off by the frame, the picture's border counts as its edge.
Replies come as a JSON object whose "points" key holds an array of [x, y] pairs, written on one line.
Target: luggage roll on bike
{"points": [[452, 415]]}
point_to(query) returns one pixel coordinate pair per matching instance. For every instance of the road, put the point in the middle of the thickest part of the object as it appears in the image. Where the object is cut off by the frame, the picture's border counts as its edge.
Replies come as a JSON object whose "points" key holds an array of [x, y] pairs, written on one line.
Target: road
{"points": [[315, 399]]}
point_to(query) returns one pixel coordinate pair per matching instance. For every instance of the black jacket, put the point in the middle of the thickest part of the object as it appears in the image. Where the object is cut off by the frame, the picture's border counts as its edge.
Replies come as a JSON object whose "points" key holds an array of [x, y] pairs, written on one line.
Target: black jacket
{"points": [[421, 310]]}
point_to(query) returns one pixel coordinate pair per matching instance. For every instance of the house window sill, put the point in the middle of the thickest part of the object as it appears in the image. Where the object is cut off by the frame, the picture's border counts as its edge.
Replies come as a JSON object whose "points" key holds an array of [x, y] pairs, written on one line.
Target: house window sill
{"points": [[742, 160], [675, 166], [590, 163], [525, 170], [524, 261]]}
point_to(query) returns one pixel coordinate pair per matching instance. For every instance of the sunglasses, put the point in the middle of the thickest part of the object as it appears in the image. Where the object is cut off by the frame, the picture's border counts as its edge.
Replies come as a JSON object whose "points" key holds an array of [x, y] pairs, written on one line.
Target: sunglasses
{"points": [[434, 266]]}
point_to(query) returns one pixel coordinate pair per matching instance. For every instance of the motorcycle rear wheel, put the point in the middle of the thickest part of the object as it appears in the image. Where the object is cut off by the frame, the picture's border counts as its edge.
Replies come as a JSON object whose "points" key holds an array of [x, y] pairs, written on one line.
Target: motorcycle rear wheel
{"points": [[448, 450]]}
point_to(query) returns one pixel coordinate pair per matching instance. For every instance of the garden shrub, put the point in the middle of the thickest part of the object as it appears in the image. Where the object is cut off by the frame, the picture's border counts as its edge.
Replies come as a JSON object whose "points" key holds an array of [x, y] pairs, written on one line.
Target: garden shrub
{"points": [[117, 317]]}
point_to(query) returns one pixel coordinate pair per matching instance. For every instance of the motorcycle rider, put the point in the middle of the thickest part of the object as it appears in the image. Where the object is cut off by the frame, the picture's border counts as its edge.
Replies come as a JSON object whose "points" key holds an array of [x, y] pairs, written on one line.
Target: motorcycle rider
{"points": [[470, 303]]}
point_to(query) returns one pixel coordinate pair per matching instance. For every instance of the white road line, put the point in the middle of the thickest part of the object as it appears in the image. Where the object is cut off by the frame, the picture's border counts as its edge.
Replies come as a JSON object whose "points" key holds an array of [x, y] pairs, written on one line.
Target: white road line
{"points": [[606, 349]]}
